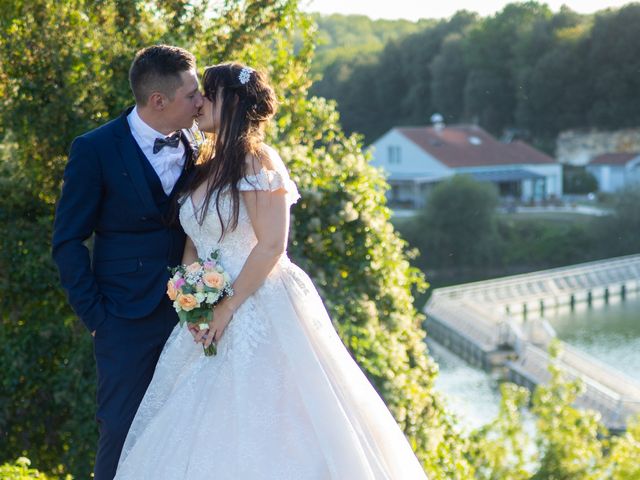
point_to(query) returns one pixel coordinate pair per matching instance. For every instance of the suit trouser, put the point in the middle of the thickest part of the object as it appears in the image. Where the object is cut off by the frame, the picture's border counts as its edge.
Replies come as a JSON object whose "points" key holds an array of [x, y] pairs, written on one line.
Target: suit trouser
{"points": [[126, 352]]}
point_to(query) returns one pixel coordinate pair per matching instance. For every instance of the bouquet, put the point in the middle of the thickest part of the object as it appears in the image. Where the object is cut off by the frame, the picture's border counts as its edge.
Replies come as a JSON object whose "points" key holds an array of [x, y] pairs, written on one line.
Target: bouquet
{"points": [[195, 289]]}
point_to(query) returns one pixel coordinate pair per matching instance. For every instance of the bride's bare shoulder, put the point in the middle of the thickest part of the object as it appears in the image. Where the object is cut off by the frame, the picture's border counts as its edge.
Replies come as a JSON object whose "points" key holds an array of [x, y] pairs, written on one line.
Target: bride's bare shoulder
{"points": [[266, 159]]}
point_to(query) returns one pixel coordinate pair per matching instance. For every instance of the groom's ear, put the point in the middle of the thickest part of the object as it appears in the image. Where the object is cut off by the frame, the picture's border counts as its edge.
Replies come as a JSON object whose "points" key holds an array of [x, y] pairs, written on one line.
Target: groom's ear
{"points": [[158, 101]]}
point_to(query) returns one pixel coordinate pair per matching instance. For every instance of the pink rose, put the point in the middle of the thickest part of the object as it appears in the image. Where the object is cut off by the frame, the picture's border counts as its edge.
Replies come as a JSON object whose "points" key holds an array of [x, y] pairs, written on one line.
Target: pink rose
{"points": [[179, 283]]}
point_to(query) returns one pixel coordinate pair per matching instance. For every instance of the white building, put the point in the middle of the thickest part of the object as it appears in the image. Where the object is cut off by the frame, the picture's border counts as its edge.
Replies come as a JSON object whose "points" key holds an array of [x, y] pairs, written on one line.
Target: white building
{"points": [[615, 171], [416, 158]]}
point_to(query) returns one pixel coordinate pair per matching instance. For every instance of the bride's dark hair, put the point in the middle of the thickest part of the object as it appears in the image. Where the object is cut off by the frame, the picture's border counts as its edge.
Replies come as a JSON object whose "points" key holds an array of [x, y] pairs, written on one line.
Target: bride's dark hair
{"points": [[248, 103]]}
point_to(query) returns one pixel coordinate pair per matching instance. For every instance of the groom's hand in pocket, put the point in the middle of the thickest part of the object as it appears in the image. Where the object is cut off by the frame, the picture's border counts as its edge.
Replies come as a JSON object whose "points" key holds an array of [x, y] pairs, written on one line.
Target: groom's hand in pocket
{"points": [[93, 334]]}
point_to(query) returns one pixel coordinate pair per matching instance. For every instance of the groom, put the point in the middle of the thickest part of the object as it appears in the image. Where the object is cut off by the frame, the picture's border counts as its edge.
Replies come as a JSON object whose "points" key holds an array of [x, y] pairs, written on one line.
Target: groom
{"points": [[120, 185]]}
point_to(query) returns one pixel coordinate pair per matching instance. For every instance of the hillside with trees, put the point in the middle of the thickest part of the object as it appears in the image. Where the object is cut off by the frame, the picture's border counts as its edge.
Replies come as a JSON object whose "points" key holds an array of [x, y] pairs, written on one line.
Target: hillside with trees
{"points": [[525, 71], [356, 37]]}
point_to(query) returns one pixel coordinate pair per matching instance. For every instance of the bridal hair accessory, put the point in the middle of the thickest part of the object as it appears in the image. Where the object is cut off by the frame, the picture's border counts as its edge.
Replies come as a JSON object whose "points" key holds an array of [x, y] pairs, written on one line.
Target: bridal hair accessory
{"points": [[245, 75]]}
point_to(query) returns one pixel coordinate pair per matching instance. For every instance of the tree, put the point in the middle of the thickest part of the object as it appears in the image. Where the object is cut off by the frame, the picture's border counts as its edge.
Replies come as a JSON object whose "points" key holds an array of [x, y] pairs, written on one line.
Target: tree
{"points": [[621, 463], [555, 93], [578, 180], [613, 61], [392, 87], [568, 441], [558, 93], [491, 91], [524, 68], [349, 36], [617, 233], [499, 449], [457, 227], [20, 471], [449, 73], [340, 233]]}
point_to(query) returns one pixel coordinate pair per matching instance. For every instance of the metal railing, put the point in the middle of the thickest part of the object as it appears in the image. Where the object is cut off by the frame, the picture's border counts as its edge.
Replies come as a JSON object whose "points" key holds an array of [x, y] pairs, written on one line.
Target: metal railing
{"points": [[552, 282]]}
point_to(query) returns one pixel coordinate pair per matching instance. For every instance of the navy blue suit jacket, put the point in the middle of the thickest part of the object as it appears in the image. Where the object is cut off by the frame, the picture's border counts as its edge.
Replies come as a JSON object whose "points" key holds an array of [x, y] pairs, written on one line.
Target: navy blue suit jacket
{"points": [[105, 193]]}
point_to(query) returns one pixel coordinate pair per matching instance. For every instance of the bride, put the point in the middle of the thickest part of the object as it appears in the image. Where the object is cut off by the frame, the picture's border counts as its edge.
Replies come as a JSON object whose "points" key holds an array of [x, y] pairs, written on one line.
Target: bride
{"points": [[282, 399]]}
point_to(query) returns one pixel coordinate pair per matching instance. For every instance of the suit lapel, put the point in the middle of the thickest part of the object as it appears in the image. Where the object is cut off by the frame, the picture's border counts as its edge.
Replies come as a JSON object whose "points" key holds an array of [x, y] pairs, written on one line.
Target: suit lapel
{"points": [[131, 160]]}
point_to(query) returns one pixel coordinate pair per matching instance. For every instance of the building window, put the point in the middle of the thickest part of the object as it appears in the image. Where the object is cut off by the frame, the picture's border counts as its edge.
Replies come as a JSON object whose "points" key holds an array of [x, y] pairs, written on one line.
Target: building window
{"points": [[394, 154]]}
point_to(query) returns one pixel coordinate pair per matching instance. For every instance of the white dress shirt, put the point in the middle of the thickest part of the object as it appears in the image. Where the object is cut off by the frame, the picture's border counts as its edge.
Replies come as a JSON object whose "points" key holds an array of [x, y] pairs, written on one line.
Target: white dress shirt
{"points": [[168, 162]]}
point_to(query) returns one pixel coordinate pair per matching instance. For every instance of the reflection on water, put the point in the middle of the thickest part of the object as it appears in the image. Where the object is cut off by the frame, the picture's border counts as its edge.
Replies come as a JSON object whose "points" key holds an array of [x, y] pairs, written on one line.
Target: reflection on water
{"points": [[611, 333], [471, 392]]}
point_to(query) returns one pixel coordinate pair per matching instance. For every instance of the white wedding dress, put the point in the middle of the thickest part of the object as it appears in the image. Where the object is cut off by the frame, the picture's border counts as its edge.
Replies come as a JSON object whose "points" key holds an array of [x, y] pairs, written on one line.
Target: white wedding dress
{"points": [[282, 399]]}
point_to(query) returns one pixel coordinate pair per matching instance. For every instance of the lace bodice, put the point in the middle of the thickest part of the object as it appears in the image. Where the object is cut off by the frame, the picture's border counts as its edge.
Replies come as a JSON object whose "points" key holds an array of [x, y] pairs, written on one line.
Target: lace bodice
{"points": [[236, 245]]}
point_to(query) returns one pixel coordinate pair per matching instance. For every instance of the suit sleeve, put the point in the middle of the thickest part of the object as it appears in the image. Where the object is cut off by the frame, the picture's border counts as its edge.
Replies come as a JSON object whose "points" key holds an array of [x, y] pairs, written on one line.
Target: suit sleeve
{"points": [[75, 221]]}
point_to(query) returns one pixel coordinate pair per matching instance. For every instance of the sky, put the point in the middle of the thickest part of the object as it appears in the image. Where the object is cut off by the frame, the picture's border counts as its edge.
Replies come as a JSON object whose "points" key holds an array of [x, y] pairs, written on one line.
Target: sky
{"points": [[415, 9]]}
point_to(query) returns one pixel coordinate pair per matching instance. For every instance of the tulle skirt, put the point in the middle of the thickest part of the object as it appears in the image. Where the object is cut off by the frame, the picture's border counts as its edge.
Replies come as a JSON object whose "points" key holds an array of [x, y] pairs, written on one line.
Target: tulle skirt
{"points": [[282, 399]]}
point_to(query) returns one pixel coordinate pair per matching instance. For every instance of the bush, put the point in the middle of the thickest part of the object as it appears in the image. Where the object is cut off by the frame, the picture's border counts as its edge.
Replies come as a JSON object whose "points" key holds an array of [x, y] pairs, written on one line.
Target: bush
{"points": [[618, 233], [457, 228], [19, 470], [577, 180], [540, 243], [46, 358], [568, 443]]}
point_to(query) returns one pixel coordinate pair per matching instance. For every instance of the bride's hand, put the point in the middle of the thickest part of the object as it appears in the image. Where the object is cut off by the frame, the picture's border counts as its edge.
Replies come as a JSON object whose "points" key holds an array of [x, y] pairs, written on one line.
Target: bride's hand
{"points": [[194, 329], [221, 318]]}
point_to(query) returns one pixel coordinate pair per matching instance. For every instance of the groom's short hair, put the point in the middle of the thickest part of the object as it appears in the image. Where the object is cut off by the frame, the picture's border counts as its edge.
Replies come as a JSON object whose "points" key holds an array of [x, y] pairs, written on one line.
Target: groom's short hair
{"points": [[158, 68]]}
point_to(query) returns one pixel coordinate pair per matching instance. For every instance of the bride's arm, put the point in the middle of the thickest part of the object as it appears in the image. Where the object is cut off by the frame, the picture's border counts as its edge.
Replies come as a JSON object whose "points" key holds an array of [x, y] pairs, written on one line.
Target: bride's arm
{"points": [[269, 214], [190, 253]]}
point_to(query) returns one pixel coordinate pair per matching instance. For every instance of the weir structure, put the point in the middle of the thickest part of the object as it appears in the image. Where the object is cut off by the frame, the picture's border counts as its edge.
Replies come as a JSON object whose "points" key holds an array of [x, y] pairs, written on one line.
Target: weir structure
{"points": [[499, 324]]}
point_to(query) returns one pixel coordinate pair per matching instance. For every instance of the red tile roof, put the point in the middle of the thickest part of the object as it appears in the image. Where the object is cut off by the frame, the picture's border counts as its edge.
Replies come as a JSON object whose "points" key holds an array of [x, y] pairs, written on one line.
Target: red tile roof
{"points": [[470, 146], [613, 158]]}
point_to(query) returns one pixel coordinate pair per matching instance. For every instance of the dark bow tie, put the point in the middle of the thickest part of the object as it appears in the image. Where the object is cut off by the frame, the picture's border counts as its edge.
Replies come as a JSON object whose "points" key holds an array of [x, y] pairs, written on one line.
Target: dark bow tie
{"points": [[172, 141]]}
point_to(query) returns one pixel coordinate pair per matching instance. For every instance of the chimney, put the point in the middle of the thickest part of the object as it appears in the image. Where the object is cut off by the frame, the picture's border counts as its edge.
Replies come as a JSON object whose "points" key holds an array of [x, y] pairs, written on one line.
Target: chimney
{"points": [[438, 122]]}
